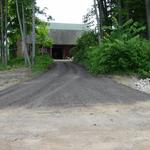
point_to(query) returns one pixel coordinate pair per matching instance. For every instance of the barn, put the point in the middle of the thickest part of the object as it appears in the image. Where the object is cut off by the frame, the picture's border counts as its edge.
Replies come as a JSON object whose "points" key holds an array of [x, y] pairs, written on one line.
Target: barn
{"points": [[64, 37]]}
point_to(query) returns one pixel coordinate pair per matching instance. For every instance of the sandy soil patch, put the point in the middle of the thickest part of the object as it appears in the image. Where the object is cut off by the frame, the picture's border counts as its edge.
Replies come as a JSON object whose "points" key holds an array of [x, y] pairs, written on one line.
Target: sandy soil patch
{"points": [[101, 127], [12, 77]]}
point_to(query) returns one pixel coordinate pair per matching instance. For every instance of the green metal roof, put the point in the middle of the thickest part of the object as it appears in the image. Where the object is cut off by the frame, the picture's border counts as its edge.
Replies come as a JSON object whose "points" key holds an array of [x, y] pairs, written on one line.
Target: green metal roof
{"points": [[67, 26], [65, 37]]}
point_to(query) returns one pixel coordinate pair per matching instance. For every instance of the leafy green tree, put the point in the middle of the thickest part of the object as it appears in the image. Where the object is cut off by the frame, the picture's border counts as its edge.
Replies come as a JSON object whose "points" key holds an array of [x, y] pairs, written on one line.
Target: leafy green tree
{"points": [[122, 51], [79, 52], [123, 10], [17, 20], [42, 37]]}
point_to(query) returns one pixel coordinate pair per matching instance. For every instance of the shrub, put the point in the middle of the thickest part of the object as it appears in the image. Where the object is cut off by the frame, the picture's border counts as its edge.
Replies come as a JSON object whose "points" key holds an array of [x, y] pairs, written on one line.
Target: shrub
{"points": [[16, 62], [121, 51], [131, 56], [42, 62], [83, 43]]}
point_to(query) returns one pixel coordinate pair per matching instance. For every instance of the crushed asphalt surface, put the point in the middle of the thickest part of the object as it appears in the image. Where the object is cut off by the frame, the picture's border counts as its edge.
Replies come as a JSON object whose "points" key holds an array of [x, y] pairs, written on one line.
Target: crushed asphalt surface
{"points": [[67, 84]]}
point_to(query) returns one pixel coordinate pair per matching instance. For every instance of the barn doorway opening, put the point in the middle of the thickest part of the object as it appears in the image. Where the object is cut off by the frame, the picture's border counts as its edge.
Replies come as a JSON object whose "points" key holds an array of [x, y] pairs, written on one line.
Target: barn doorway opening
{"points": [[61, 51], [57, 53]]}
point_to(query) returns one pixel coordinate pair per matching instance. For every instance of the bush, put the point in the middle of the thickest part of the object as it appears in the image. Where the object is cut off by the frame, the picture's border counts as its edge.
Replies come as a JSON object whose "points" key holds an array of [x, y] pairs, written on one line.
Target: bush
{"points": [[130, 56], [80, 51], [16, 62], [42, 62], [122, 51]]}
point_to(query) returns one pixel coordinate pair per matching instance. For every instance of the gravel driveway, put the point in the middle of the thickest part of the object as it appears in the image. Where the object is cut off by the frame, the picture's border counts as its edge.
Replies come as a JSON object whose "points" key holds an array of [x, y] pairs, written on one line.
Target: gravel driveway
{"points": [[67, 84], [68, 109]]}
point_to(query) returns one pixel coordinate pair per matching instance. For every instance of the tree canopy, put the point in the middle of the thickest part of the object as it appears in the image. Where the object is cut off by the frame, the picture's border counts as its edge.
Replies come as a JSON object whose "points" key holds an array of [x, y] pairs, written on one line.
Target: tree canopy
{"points": [[122, 10], [123, 27], [17, 21]]}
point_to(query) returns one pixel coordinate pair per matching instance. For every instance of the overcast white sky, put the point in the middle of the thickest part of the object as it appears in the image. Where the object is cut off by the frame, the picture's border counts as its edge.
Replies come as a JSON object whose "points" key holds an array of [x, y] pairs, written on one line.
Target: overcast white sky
{"points": [[66, 11]]}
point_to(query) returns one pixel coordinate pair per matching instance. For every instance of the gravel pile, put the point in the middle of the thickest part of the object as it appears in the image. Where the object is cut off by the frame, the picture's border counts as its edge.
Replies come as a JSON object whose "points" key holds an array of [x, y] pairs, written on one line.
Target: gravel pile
{"points": [[133, 82], [143, 85]]}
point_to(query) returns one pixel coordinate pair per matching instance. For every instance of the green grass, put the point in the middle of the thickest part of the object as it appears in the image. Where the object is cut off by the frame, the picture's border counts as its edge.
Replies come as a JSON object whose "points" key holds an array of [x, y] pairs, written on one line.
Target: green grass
{"points": [[12, 64], [4, 67], [42, 62]]}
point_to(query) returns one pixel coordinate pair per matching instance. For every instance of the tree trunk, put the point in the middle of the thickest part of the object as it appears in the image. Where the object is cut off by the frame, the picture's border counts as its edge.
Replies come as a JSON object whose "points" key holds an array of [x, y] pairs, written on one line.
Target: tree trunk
{"points": [[24, 47], [120, 12], [147, 3], [102, 15], [33, 32], [6, 42], [2, 31], [3, 25], [98, 22], [24, 33]]}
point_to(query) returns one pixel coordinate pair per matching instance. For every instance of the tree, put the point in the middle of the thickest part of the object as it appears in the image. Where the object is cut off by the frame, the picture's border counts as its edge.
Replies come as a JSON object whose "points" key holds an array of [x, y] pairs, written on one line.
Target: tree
{"points": [[17, 21], [89, 18], [42, 36], [5, 33], [147, 3], [98, 20], [4, 25], [22, 30], [122, 10], [33, 31]]}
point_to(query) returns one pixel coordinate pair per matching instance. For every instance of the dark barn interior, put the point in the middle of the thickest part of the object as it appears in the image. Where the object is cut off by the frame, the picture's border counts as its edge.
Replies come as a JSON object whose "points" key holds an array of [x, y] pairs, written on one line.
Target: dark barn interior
{"points": [[61, 51], [57, 53]]}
